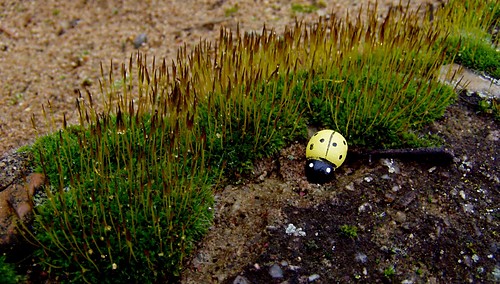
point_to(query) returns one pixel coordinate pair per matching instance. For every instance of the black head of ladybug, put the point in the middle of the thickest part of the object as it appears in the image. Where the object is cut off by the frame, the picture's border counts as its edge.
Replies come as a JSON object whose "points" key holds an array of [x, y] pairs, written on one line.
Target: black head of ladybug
{"points": [[319, 171]]}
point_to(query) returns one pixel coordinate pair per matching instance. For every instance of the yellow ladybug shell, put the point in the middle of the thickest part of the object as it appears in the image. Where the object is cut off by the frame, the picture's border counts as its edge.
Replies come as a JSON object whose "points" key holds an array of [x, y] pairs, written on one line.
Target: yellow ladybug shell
{"points": [[327, 145]]}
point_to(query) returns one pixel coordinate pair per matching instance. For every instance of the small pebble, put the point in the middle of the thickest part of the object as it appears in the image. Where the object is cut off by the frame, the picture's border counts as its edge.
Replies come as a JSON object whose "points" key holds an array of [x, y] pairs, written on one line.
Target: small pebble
{"points": [[275, 271], [400, 217], [140, 40], [364, 207], [496, 273], [241, 280], [361, 257], [350, 187], [389, 197], [462, 194], [313, 277]]}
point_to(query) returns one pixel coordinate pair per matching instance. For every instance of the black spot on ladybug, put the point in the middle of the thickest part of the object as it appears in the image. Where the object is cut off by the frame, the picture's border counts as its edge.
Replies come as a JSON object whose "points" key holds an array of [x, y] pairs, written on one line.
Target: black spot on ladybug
{"points": [[334, 144], [321, 140], [345, 143], [340, 157], [311, 147]]}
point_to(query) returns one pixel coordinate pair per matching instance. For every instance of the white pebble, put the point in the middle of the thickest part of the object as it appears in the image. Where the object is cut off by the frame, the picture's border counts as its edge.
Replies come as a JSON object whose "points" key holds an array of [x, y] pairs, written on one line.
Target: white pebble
{"points": [[313, 277]]}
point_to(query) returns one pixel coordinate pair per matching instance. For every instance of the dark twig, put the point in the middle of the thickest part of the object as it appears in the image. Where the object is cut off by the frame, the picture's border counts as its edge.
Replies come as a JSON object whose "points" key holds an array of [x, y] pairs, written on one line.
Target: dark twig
{"points": [[437, 154]]}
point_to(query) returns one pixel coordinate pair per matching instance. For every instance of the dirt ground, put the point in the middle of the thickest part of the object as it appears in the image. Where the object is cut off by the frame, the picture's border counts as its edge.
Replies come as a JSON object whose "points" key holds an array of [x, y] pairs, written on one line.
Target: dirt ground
{"points": [[419, 219]]}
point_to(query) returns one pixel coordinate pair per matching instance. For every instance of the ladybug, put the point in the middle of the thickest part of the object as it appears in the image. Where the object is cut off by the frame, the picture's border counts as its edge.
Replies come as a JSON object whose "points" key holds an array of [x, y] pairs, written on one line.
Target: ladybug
{"points": [[325, 152]]}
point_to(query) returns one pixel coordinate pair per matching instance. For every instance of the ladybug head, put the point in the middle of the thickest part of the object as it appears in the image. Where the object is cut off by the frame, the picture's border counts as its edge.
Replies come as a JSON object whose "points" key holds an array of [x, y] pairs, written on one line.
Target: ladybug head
{"points": [[319, 171]]}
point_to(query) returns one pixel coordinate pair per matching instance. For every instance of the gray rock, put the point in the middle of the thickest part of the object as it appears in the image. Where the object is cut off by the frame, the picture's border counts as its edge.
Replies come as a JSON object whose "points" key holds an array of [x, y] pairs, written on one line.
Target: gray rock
{"points": [[400, 217], [140, 40], [275, 271], [361, 257], [241, 280], [313, 278]]}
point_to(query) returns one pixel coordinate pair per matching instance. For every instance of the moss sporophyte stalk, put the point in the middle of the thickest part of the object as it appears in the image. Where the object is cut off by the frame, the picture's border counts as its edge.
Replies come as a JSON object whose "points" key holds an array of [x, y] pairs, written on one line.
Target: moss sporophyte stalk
{"points": [[130, 187]]}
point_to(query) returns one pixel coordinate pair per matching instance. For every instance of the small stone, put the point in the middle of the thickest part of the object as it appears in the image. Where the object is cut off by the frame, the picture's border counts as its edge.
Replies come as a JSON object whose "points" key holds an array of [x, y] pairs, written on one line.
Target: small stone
{"points": [[407, 199], [467, 260], [496, 273], [468, 208], [275, 271], [364, 207], [241, 280], [462, 194], [292, 230], [391, 165], [350, 186], [361, 257], [313, 277], [140, 40], [494, 136], [262, 176], [389, 197], [400, 217]]}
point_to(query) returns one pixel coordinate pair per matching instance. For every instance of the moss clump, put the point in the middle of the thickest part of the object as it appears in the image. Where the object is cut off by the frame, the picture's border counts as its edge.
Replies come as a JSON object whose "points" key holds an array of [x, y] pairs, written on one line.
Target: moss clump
{"points": [[477, 53], [349, 231], [8, 272], [469, 25], [127, 202]]}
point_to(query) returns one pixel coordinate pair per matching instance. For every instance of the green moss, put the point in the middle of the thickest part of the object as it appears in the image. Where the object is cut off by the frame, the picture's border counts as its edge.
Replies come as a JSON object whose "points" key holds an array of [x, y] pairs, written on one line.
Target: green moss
{"points": [[139, 207], [300, 8], [8, 273], [477, 53], [349, 231], [231, 11], [374, 110], [255, 126], [389, 272], [468, 25], [491, 107]]}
